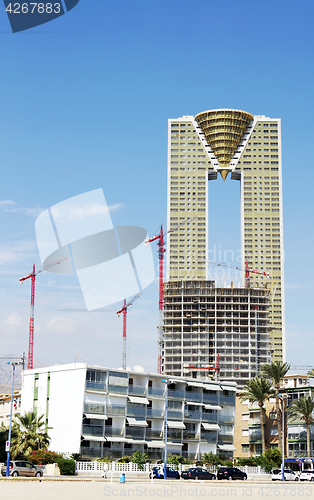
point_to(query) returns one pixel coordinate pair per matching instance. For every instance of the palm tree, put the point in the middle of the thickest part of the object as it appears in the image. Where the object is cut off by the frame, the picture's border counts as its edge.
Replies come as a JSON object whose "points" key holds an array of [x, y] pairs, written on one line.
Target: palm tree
{"points": [[276, 371], [29, 433], [258, 390], [311, 373], [302, 409]]}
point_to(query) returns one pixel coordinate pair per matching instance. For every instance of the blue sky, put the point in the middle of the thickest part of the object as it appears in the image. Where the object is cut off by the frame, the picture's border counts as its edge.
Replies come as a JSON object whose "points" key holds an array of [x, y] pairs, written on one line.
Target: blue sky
{"points": [[84, 104]]}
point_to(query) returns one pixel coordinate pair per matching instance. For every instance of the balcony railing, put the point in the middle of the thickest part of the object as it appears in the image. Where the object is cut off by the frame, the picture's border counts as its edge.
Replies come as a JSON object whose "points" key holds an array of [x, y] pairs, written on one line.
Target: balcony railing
{"points": [[94, 408], [152, 434], [96, 386], [117, 389], [255, 436], [210, 417], [135, 412], [112, 431], [115, 410], [210, 399], [175, 436], [209, 437], [193, 396], [156, 392], [90, 452], [154, 413], [226, 419], [138, 390], [175, 414], [93, 430], [190, 435], [133, 432], [192, 415], [227, 400], [176, 394]]}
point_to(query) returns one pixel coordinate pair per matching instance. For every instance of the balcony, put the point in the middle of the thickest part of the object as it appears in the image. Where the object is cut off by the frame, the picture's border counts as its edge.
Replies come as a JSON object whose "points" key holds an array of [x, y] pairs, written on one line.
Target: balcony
{"points": [[226, 419], [114, 411], [255, 436], [209, 437], [93, 430], [190, 435], [176, 394], [86, 451], [94, 408], [193, 396], [155, 454], [134, 433], [112, 431], [137, 390], [117, 389], [210, 417], [174, 436], [154, 413], [152, 434], [96, 386], [210, 399], [227, 400], [175, 414], [156, 392], [299, 436], [132, 411], [192, 415]]}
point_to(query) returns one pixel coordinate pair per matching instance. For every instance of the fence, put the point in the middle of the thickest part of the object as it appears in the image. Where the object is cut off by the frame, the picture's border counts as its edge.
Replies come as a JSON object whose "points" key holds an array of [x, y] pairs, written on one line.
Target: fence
{"points": [[131, 468]]}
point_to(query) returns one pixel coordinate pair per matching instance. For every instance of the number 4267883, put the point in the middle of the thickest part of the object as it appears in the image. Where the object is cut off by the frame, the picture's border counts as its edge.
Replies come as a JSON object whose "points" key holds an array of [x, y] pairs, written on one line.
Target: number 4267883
{"points": [[34, 8]]}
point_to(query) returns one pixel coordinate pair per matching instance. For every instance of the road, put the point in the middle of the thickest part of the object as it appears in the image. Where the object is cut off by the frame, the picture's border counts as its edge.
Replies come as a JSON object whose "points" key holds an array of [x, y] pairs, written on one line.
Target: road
{"points": [[77, 489]]}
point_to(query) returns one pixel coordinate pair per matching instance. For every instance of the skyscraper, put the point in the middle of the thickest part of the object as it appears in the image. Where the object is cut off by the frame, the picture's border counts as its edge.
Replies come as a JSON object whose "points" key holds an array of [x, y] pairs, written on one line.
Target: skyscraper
{"points": [[248, 148]]}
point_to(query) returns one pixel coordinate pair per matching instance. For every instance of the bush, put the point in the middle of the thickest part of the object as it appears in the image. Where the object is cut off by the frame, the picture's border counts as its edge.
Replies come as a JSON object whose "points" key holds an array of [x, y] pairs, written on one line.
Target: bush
{"points": [[250, 461], [270, 459], [139, 458], [3, 438], [124, 460], [212, 459], [174, 460], [66, 466], [43, 457]]}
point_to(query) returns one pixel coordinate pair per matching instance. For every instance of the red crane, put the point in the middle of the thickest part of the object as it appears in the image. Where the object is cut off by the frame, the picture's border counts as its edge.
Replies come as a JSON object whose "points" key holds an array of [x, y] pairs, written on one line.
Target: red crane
{"points": [[124, 311], [161, 250], [247, 270], [32, 276]]}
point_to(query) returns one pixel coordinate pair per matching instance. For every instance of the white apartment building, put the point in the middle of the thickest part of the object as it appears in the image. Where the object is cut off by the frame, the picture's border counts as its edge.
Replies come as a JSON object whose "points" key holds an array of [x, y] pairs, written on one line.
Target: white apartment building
{"points": [[102, 412]]}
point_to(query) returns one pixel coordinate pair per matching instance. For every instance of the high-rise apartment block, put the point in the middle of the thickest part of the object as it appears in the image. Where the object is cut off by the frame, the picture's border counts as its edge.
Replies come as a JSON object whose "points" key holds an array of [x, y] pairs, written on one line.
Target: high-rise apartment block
{"points": [[227, 141]]}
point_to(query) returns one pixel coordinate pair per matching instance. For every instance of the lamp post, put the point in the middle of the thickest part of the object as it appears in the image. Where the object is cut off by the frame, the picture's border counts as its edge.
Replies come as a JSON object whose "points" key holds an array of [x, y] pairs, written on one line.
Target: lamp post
{"points": [[14, 364], [280, 396], [166, 429]]}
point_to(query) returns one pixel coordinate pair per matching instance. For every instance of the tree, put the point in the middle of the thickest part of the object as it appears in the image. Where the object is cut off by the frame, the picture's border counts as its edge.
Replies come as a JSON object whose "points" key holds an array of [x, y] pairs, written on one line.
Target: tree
{"points": [[302, 409], [311, 373], [29, 433], [258, 390], [3, 438], [276, 371]]}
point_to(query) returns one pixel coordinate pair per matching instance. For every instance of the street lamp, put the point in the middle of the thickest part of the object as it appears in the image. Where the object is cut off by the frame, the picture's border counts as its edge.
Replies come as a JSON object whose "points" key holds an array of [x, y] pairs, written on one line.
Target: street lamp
{"points": [[166, 429], [280, 396], [8, 445]]}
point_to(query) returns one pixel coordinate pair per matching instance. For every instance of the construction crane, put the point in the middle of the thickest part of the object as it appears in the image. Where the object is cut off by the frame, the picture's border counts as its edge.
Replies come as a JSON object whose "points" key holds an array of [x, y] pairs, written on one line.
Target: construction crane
{"points": [[32, 276], [124, 311], [215, 367], [161, 243], [247, 270]]}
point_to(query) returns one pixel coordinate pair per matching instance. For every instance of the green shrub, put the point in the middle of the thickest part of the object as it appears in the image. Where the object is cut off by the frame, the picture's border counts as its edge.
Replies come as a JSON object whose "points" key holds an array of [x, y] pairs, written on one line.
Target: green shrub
{"points": [[139, 458], [212, 459], [66, 466], [124, 460], [250, 461], [270, 459]]}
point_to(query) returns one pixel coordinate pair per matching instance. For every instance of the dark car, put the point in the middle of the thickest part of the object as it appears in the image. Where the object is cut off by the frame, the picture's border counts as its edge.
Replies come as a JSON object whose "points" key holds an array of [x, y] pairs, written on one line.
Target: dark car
{"points": [[158, 472], [231, 473], [21, 468], [197, 473]]}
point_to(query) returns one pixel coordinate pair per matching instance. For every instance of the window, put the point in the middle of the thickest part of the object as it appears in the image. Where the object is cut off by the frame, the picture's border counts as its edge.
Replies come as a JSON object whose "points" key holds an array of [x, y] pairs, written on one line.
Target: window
{"points": [[245, 448], [245, 432]]}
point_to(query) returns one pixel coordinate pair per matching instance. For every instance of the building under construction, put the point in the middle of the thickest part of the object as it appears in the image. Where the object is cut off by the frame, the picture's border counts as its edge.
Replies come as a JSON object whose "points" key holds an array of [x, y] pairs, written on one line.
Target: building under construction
{"points": [[202, 321]]}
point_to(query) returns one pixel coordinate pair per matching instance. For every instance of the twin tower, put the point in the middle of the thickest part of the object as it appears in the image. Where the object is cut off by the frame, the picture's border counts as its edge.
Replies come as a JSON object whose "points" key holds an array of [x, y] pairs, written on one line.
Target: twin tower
{"points": [[248, 148]]}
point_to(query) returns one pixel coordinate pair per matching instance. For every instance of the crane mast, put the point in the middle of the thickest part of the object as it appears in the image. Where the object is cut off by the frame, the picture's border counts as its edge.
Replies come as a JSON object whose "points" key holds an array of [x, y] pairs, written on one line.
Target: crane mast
{"points": [[124, 311]]}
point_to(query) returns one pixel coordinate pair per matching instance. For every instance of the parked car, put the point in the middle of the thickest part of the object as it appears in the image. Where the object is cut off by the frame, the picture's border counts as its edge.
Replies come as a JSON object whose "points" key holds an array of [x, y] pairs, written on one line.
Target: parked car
{"points": [[307, 475], [158, 472], [231, 473], [290, 475], [21, 468], [197, 473]]}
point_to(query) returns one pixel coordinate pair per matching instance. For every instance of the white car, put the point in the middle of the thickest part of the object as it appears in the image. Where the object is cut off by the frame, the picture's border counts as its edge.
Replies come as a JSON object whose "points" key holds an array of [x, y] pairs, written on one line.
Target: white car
{"points": [[307, 475], [290, 475]]}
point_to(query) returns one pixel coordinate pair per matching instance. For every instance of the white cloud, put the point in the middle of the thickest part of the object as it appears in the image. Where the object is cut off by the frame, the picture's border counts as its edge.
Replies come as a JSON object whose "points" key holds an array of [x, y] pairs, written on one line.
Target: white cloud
{"points": [[63, 325], [73, 212], [14, 319], [16, 252], [32, 212], [4, 203]]}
